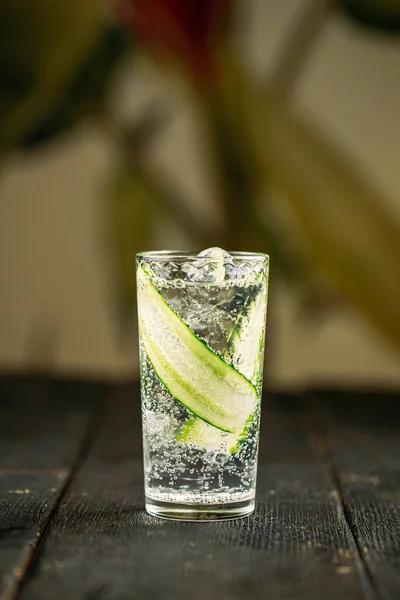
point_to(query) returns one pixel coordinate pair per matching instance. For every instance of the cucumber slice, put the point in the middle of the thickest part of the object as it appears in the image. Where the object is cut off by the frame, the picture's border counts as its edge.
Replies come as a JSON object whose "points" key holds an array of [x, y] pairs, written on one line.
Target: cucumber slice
{"points": [[192, 373], [200, 433], [210, 438], [243, 346]]}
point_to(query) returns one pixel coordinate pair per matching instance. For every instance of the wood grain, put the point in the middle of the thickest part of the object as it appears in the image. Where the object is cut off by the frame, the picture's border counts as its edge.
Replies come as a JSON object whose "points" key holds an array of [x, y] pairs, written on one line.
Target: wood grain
{"points": [[102, 545], [364, 432], [42, 426]]}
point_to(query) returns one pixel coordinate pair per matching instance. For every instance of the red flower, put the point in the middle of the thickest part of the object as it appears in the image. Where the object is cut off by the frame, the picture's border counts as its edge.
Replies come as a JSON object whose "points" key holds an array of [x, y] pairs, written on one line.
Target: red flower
{"points": [[187, 29]]}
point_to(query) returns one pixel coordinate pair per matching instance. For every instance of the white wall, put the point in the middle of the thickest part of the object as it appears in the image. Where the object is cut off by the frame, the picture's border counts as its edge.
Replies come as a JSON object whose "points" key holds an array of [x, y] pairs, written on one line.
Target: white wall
{"points": [[53, 270]]}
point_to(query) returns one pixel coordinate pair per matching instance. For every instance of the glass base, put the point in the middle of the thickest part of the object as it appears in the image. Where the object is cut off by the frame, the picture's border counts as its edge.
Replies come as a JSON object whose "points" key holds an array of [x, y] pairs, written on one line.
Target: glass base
{"points": [[199, 512]]}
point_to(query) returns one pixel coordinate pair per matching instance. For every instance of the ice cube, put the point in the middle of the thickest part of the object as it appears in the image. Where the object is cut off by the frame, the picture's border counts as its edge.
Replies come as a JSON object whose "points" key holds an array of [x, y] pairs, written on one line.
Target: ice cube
{"points": [[241, 271], [209, 267], [217, 253]]}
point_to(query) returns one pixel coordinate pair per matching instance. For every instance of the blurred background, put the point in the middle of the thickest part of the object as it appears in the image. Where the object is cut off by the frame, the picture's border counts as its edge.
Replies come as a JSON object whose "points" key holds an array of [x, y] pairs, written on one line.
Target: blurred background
{"points": [[266, 125]]}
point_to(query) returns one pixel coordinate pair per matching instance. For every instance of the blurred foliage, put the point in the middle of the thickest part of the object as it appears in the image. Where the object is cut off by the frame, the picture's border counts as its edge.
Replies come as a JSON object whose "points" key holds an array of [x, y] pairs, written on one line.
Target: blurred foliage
{"points": [[130, 204], [57, 62], [187, 32], [382, 15], [244, 185], [352, 237], [86, 93], [42, 43]]}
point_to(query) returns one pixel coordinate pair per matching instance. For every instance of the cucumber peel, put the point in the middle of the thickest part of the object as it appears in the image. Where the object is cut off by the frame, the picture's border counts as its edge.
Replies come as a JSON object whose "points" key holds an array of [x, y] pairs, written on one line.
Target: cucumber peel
{"points": [[241, 343], [210, 438], [192, 373]]}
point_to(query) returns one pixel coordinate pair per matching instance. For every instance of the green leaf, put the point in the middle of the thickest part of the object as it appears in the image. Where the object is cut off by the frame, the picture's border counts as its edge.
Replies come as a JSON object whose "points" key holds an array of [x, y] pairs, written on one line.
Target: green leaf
{"points": [[129, 203], [354, 239], [87, 92], [41, 44], [226, 112], [383, 15]]}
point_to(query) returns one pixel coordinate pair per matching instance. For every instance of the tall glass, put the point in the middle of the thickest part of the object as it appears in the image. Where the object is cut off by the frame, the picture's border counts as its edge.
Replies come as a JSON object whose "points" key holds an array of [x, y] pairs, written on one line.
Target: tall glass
{"points": [[201, 338]]}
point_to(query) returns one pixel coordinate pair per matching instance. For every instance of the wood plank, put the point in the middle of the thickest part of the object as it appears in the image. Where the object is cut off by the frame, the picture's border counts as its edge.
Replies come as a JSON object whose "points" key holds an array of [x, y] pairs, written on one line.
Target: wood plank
{"points": [[102, 545], [364, 433], [42, 425]]}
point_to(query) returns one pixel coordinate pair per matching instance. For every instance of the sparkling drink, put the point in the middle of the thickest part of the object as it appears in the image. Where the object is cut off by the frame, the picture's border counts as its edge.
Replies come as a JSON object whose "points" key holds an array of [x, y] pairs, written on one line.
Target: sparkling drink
{"points": [[201, 341]]}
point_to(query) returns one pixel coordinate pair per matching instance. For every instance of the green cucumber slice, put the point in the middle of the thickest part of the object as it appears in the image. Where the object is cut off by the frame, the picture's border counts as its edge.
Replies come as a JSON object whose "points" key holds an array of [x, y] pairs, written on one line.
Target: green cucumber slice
{"points": [[198, 432], [243, 345], [210, 438], [192, 373]]}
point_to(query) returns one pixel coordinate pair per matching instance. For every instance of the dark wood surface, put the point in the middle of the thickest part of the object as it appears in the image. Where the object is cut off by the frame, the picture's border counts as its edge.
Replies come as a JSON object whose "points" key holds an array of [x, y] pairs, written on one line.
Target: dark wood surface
{"points": [[73, 525], [364, 434]]}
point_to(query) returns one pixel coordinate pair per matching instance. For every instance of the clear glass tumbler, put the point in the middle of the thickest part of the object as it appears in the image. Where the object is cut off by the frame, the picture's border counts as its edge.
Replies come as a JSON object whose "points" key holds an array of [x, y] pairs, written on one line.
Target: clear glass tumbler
{"points": [[201, 337]]}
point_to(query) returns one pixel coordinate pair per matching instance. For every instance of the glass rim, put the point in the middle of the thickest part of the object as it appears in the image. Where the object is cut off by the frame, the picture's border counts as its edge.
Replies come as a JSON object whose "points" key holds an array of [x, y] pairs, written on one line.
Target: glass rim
{"points": [[194, 255]]}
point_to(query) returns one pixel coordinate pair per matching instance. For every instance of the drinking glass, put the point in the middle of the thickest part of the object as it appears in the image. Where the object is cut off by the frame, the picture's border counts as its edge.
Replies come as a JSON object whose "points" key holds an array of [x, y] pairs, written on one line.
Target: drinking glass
{"points": [[202, 324]]}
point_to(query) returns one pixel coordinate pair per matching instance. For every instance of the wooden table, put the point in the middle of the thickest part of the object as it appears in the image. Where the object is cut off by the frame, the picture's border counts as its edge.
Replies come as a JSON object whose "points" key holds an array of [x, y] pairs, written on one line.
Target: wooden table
{"points": [[73, 526]]}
